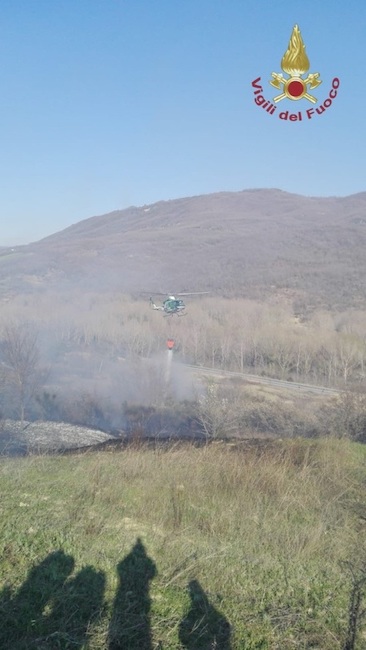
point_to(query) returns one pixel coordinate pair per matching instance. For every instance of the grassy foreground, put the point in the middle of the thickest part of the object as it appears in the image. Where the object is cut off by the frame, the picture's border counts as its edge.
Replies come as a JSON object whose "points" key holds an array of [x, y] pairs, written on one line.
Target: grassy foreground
{"points": [[220, 547]]}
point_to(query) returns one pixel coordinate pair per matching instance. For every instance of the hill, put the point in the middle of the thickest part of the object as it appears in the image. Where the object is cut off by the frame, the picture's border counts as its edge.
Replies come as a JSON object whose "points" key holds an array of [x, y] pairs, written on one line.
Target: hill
{"points": [[249, 244]]}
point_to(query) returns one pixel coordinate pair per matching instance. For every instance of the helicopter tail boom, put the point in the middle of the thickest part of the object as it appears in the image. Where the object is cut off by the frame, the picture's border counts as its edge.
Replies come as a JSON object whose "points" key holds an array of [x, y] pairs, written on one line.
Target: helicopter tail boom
{"points": [[153, 306]]}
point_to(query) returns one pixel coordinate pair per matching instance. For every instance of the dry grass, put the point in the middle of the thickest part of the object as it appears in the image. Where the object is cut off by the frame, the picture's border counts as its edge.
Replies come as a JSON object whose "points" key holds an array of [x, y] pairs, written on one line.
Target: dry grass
{"points": [[250, 535]]}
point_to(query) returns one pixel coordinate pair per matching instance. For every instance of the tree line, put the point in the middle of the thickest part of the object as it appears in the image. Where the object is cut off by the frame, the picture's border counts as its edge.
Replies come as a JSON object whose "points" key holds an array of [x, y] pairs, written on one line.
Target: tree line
{"points": [[119, 334], [236, 334]]}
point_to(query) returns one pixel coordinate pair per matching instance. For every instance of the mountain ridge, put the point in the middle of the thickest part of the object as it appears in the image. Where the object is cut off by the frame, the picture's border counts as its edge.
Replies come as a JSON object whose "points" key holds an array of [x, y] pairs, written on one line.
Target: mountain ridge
{"points": [[244, 243]]}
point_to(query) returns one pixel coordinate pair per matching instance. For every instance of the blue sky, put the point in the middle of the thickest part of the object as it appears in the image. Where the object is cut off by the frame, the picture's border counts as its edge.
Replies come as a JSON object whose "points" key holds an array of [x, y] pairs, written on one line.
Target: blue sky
{"points": [[111, 103]]}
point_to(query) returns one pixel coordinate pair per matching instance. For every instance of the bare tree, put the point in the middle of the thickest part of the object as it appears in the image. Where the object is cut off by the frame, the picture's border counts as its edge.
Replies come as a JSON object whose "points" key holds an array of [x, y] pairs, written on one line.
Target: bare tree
{"points": [[219, 412], [20, 357]]}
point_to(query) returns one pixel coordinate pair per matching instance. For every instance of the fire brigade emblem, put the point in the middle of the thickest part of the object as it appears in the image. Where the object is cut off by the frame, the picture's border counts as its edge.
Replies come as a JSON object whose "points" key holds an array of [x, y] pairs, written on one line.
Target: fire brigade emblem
{"points": [[295, 63]]}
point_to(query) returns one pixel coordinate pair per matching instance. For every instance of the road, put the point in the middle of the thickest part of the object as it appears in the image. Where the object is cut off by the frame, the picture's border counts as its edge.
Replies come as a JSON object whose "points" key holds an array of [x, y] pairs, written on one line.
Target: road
{"points": [[257, 379]]}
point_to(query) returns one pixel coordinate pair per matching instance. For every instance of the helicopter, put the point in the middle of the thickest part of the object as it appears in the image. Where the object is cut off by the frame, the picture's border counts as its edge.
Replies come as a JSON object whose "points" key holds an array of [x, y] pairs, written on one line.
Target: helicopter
{"points": [[172, 305]]}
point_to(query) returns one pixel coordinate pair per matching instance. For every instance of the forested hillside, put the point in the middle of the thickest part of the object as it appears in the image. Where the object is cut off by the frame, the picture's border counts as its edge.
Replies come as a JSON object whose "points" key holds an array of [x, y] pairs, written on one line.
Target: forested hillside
{"points": [[251, 244], [286, 299]]}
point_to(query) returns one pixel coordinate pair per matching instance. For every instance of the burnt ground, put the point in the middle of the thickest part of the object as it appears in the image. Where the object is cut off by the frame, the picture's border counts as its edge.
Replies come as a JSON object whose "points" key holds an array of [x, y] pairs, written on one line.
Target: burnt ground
{"points": [[40, 438], [17, 439]]}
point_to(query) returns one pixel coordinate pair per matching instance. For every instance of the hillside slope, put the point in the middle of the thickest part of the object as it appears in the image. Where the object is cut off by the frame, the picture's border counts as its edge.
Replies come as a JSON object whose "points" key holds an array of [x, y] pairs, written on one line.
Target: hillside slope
{"points": [[248, 243]]}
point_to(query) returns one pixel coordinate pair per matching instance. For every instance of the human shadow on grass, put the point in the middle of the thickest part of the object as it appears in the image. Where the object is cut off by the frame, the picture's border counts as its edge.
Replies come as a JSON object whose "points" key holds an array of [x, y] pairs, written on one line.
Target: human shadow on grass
{"points": [[203, 628], [130, 622], [51, 609]]}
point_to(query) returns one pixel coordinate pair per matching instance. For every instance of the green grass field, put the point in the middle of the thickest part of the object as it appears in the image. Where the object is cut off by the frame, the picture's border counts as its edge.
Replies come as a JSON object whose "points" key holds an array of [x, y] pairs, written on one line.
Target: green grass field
{"points": [[224, 546]]}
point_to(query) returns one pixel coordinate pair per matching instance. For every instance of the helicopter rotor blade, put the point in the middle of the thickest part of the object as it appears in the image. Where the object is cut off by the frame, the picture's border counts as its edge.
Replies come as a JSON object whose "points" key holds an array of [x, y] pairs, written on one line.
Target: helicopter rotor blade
{"points": [[192, 293], [174, 293]]}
